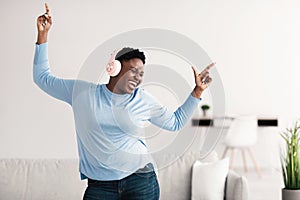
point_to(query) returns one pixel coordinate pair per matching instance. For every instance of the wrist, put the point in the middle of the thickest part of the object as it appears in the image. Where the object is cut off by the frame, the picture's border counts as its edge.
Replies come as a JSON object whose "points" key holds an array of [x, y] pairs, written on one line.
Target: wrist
{"points": [[197, 92], [42, 37]]}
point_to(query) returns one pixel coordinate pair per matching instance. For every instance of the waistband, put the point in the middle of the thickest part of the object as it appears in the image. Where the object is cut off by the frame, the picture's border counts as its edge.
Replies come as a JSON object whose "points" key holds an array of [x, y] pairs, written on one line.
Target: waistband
{"points": [[147, 169]]}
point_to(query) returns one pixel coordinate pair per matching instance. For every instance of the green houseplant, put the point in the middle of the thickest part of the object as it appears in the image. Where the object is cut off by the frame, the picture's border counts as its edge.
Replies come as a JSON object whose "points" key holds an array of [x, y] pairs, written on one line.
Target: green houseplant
{"points": [[290, 164], [204, 108]]}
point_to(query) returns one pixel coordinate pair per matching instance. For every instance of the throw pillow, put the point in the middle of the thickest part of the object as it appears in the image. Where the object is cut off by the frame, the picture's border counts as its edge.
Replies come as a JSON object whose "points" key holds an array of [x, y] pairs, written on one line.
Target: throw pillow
{"points": [[208, 180]]}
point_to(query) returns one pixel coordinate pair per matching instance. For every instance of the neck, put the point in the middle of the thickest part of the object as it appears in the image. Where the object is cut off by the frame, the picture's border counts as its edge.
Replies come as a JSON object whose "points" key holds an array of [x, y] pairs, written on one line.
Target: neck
{"points": [[112, 86]]}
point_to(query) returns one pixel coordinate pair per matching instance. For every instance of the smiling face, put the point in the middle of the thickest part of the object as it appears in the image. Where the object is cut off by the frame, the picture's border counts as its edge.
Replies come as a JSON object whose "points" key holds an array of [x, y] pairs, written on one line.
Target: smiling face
{"points": [[130, 77]]}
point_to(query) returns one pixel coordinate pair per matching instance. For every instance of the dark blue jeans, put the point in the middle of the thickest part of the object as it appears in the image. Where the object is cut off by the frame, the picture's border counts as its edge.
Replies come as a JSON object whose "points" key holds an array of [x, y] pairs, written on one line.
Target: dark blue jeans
{"points": [[137, 186]]}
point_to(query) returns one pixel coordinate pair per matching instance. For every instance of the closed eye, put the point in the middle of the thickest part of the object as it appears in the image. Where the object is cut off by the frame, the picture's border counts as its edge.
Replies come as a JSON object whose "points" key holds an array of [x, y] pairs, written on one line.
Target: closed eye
{"points": [[135, 71]]}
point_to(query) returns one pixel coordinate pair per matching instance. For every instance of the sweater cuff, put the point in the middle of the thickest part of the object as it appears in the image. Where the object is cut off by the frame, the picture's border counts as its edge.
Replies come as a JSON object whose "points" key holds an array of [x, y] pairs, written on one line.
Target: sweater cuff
{"points": [[41, 53], [195, 99]]}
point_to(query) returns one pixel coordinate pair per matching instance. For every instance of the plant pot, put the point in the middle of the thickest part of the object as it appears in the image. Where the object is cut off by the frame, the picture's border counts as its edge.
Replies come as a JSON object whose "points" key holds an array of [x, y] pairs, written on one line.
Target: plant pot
{"points": [[290, 194]]}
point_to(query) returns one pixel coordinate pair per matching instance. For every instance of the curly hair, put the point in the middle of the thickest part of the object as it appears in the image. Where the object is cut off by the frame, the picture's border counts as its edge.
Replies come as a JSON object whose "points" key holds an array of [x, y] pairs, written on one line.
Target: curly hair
{"points": [[128, 53]]}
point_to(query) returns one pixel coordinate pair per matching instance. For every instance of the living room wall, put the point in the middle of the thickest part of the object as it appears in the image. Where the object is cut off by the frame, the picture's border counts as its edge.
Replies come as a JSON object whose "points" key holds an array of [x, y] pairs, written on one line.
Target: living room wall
{"points": [[254, 43]]}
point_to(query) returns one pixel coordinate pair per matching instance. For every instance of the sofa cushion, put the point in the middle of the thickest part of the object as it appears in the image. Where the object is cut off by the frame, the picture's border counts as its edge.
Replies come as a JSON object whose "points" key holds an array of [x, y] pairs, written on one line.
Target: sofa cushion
{"points": [[45, 179], [208, 179]]}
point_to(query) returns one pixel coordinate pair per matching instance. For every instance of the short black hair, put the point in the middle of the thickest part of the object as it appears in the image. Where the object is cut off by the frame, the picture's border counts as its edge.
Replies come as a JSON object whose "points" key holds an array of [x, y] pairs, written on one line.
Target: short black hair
{"points": [[128, 53]]}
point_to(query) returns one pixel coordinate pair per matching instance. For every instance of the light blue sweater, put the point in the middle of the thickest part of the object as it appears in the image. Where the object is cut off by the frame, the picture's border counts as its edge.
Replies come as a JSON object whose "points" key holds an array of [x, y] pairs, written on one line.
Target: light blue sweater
{"points": [[109, 126]]}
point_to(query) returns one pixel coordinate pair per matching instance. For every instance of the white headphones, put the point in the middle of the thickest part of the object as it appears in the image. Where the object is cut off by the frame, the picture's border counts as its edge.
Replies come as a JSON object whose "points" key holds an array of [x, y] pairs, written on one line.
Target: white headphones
{"points": [[113, 66]]}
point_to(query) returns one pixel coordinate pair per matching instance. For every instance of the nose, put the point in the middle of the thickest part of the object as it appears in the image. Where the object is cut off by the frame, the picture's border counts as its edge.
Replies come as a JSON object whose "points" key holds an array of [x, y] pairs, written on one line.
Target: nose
{"points": [[138, 77]]}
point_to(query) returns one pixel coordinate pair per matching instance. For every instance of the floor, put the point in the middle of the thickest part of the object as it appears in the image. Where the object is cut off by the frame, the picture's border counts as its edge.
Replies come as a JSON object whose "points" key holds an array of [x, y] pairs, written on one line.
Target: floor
{"points": [[268, 187]]}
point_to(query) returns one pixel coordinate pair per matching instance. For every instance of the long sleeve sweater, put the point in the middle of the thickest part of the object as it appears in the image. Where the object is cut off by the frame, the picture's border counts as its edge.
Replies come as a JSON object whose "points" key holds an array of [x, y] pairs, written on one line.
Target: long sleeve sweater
{"points": [[109, 126]]}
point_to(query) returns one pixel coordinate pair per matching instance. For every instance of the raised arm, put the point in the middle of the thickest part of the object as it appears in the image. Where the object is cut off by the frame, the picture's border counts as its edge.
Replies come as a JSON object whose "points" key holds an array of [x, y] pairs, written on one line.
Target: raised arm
{"points": [[174, 121], [61, 89]]}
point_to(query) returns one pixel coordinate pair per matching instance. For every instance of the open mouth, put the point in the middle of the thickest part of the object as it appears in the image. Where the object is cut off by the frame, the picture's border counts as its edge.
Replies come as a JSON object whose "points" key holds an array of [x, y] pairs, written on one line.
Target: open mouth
{"points": [[132, 84]]}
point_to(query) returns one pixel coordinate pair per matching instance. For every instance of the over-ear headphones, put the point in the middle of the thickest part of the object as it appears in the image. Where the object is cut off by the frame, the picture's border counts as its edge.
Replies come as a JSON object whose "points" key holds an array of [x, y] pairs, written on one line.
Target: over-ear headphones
{"points": [[113, 66]]}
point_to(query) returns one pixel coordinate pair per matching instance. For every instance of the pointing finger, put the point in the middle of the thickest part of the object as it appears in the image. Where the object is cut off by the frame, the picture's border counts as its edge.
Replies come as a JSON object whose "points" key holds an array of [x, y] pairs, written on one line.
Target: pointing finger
{"points": [[47, 14], [47, 9], [207, 69], [210, 66]]}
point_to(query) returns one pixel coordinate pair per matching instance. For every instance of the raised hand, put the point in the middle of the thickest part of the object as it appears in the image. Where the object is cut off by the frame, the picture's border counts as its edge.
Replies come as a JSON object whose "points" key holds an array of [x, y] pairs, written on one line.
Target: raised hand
{"points": [[44, 23], [202, 80]]}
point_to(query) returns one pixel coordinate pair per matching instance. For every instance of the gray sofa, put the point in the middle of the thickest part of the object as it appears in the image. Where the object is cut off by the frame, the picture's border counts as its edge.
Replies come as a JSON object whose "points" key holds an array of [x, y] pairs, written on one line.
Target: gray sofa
{"points": [[49, 179]]}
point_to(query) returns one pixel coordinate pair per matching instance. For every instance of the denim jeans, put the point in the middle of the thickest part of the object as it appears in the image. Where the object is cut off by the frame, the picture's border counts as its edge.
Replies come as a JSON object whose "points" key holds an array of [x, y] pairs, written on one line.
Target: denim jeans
{"points": [[137, 186]]}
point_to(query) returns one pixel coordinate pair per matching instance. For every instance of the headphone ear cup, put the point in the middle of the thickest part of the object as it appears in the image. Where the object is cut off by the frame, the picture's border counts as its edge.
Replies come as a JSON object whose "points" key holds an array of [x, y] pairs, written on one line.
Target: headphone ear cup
{"points": [[113, 68], [118, 67]]}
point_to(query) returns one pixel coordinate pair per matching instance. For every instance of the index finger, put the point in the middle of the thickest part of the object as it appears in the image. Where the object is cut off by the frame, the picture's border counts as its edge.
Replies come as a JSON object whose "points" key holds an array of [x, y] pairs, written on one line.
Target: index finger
{"points": [[209, 66], [47, 9]]}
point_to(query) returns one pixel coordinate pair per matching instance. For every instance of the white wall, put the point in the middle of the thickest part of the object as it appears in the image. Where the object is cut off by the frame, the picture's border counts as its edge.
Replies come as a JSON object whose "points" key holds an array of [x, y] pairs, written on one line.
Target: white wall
{"points": [[255, 44]]}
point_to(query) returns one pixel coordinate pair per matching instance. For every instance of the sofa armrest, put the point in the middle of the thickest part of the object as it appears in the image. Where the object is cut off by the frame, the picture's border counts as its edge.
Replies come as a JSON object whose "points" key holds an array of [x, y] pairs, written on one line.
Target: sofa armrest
{"points": [[236, 187]]}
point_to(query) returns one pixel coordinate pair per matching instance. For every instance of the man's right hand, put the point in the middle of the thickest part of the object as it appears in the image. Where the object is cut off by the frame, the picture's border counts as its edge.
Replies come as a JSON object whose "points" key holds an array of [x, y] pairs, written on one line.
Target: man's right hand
{"points": [[44, 23]]}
